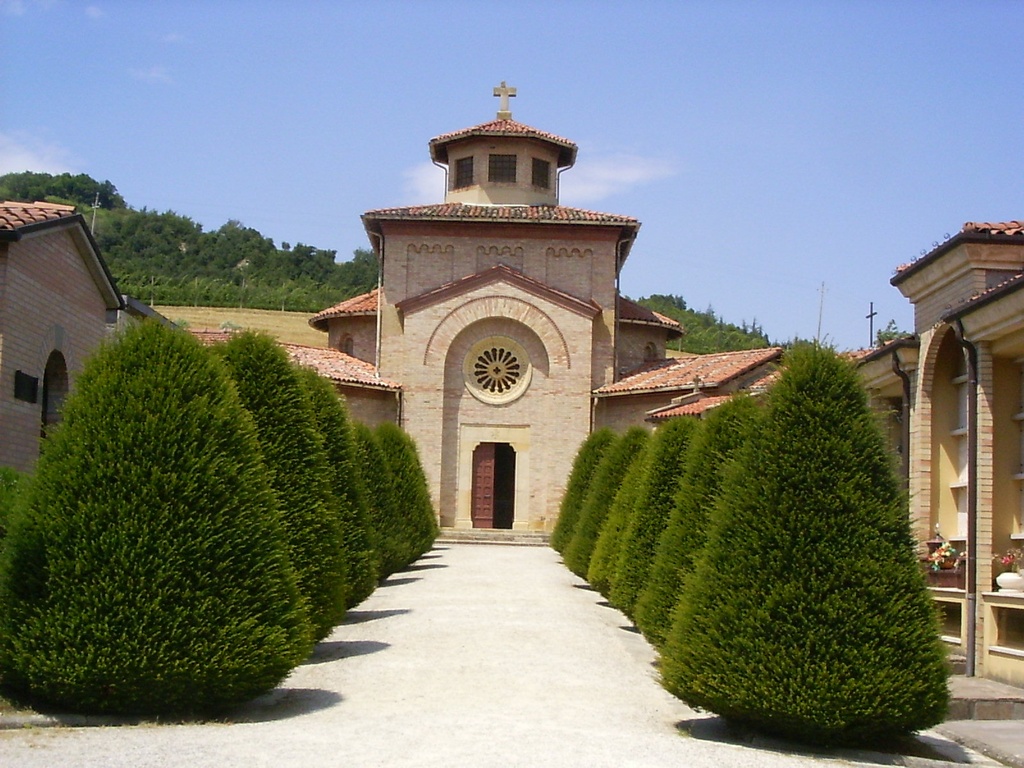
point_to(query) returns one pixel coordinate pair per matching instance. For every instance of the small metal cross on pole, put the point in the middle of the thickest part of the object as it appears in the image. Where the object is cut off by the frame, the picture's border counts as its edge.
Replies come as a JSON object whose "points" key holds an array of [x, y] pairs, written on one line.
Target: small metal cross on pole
{"points": [[504, 92], [870, 316]]}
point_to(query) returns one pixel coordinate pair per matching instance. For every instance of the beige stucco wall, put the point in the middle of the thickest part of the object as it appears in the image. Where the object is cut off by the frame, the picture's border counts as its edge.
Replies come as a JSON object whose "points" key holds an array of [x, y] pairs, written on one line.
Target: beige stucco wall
{"points": [[48, 302]]}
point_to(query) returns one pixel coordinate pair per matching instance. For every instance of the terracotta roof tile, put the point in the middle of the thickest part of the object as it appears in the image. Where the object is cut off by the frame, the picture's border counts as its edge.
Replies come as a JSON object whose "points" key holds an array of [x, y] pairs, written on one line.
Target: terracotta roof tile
{"points": [[339, 367], [546, 214], [631, 312], [995, 228], [969, 229], [704, 371], [14, 215], [329, 363], [694, 407], [438, 144], [363, 304]]}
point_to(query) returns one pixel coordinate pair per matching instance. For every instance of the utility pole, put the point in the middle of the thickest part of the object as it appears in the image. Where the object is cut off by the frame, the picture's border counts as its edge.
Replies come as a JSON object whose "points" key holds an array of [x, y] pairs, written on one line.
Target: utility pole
{"points": [[95, 205], [821, 310]]}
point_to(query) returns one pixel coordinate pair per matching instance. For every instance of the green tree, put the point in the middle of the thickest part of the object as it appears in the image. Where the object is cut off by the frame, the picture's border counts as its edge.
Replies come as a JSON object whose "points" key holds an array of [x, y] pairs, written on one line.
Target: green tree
{"points": [[331, 419], [146, 572], [601, 492], [602, 569], [380, 490], [653, 507], [271, 390], [12, 486], [808, 615], [722, 432], [413, 511], [587, 459]]}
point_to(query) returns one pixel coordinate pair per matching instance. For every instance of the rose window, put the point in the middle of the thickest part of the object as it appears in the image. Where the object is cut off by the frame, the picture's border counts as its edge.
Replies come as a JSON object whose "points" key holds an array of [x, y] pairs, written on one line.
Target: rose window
{"points": [[497, 370]]}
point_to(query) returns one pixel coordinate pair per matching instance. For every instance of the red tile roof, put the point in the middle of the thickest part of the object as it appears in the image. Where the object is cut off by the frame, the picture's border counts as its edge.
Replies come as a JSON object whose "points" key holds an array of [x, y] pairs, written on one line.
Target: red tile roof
{"points": [[14, 215], [329, 363], [361, 305], [339, 367], [699, 371], [971, 231], [631, 312], [439, 144], [692, 407], [544, 214]]}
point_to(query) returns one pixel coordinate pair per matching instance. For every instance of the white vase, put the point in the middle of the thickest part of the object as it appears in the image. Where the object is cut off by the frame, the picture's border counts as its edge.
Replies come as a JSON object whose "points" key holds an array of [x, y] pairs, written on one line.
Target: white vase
{"points": [[1011, 581]]}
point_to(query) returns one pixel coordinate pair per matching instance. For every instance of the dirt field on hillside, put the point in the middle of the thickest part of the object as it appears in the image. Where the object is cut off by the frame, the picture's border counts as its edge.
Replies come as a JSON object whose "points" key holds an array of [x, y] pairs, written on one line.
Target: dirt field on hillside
{"points": [[292, 327]]}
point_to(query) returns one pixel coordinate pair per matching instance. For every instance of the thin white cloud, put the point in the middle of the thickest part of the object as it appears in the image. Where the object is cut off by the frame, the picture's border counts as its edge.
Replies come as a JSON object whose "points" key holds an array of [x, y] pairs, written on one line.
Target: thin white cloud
{"points": [[173, 38], [423, 184], [94, 12], [21, 152], [601, 177], [152, 75]]}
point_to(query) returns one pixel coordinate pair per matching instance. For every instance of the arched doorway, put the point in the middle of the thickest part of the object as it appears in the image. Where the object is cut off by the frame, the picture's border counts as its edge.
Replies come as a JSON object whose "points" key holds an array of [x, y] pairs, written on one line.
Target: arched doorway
{"points": [[55, 389], [494, 485]]}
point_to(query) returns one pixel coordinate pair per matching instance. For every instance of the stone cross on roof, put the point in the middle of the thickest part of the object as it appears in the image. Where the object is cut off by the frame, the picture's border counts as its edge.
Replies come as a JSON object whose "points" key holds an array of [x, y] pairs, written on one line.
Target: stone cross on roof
{"points": [[504, 92]]}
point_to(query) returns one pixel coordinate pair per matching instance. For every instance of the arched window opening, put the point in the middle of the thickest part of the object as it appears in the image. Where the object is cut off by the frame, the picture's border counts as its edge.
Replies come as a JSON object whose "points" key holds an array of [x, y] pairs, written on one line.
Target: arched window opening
{"points": [[55, 389]]}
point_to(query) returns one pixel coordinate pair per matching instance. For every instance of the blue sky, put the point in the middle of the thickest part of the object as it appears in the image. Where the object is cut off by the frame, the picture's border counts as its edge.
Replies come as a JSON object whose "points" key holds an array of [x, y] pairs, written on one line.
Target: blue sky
{"points": [[768, 149]]}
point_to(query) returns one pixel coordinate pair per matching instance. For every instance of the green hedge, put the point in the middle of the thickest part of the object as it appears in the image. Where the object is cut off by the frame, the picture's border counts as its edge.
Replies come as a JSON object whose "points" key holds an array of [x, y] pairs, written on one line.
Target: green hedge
{"points": [[601, 492], [654, 505], [721, 433], [603, 560], [332, 422], [13, 485], [385, 522], [293, 451], [147, 572], [416, 519], [583, 467], [808, 615]]}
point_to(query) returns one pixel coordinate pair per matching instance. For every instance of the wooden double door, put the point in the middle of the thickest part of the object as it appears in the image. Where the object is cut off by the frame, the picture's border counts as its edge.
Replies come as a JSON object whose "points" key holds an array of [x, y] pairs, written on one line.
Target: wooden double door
{"points": [[494, 485]]}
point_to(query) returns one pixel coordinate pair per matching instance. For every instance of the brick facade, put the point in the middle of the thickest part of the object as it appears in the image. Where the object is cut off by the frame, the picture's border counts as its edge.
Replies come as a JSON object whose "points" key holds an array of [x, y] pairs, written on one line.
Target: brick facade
{"points": [[51, 301]]}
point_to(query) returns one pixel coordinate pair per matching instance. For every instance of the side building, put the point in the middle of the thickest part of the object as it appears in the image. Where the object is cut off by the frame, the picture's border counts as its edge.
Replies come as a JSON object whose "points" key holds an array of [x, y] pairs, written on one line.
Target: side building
{"points": [[955, 395], [56, 299]]}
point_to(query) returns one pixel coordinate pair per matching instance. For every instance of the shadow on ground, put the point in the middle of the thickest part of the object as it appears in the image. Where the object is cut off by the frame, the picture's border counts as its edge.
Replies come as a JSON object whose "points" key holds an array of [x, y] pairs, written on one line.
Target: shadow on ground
{"points": [[423, 567], [283, 703], [392, 581], [361, 617], [721, 730], [332, 650]]}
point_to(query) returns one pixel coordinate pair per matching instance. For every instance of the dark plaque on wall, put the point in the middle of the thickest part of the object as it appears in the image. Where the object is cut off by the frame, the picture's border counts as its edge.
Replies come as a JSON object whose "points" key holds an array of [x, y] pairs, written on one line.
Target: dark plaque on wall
{"points": [[26, 387]]}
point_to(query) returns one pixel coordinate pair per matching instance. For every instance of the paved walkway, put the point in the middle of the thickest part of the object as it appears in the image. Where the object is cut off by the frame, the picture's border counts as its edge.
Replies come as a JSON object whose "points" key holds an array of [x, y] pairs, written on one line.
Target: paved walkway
{"points": [[475, 656]]}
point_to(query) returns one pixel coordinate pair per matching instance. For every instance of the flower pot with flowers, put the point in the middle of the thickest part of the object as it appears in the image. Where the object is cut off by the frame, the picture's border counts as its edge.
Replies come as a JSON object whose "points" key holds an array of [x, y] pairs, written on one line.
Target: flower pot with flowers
{"points": [[1007, 566], [945, 565]]}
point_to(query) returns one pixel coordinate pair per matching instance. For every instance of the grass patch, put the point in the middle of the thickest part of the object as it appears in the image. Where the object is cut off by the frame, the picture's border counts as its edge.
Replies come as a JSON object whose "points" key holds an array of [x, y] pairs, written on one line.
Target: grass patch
{"points": [[290, 327]]}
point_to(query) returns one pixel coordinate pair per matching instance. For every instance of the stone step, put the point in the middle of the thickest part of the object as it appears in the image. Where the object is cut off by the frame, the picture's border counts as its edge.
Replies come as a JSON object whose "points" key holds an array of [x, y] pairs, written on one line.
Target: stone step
{"points": [[976, 698], [492, 536]]}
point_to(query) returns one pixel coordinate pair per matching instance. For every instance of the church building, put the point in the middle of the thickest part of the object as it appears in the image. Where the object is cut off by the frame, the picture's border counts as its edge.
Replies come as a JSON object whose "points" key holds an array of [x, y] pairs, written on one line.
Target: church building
{"points": [[496, 322]]}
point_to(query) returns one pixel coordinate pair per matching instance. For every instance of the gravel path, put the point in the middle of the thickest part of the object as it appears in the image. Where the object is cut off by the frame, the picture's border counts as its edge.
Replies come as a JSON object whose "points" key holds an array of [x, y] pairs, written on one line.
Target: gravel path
{"points": [[477, 655]]}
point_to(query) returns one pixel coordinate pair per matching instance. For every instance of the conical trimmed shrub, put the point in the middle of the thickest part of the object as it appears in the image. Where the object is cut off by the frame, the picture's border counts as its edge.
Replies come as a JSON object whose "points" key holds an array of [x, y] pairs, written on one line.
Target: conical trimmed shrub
{"points": [[147, 571], [601, 492], [293, 451], [331, 419], [587, 459], [654, 505], [416, 519], [603, 560], [721, 434], [385, 521], [808, 615], [13, 485]]}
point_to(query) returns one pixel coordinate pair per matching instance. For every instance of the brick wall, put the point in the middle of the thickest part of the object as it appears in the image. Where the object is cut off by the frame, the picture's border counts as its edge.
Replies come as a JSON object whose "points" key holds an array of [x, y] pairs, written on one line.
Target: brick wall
{"points": [[48, 302]]}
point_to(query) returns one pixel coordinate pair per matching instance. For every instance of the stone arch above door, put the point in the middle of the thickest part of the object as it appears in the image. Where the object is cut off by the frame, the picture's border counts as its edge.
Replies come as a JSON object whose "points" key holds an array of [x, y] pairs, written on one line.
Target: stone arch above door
{"points": [[505, 307]]}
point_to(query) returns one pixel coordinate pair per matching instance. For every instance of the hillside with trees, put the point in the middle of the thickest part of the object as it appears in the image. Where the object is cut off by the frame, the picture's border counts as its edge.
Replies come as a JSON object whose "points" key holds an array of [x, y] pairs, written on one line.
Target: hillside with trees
{"points": [[168, 259]]}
